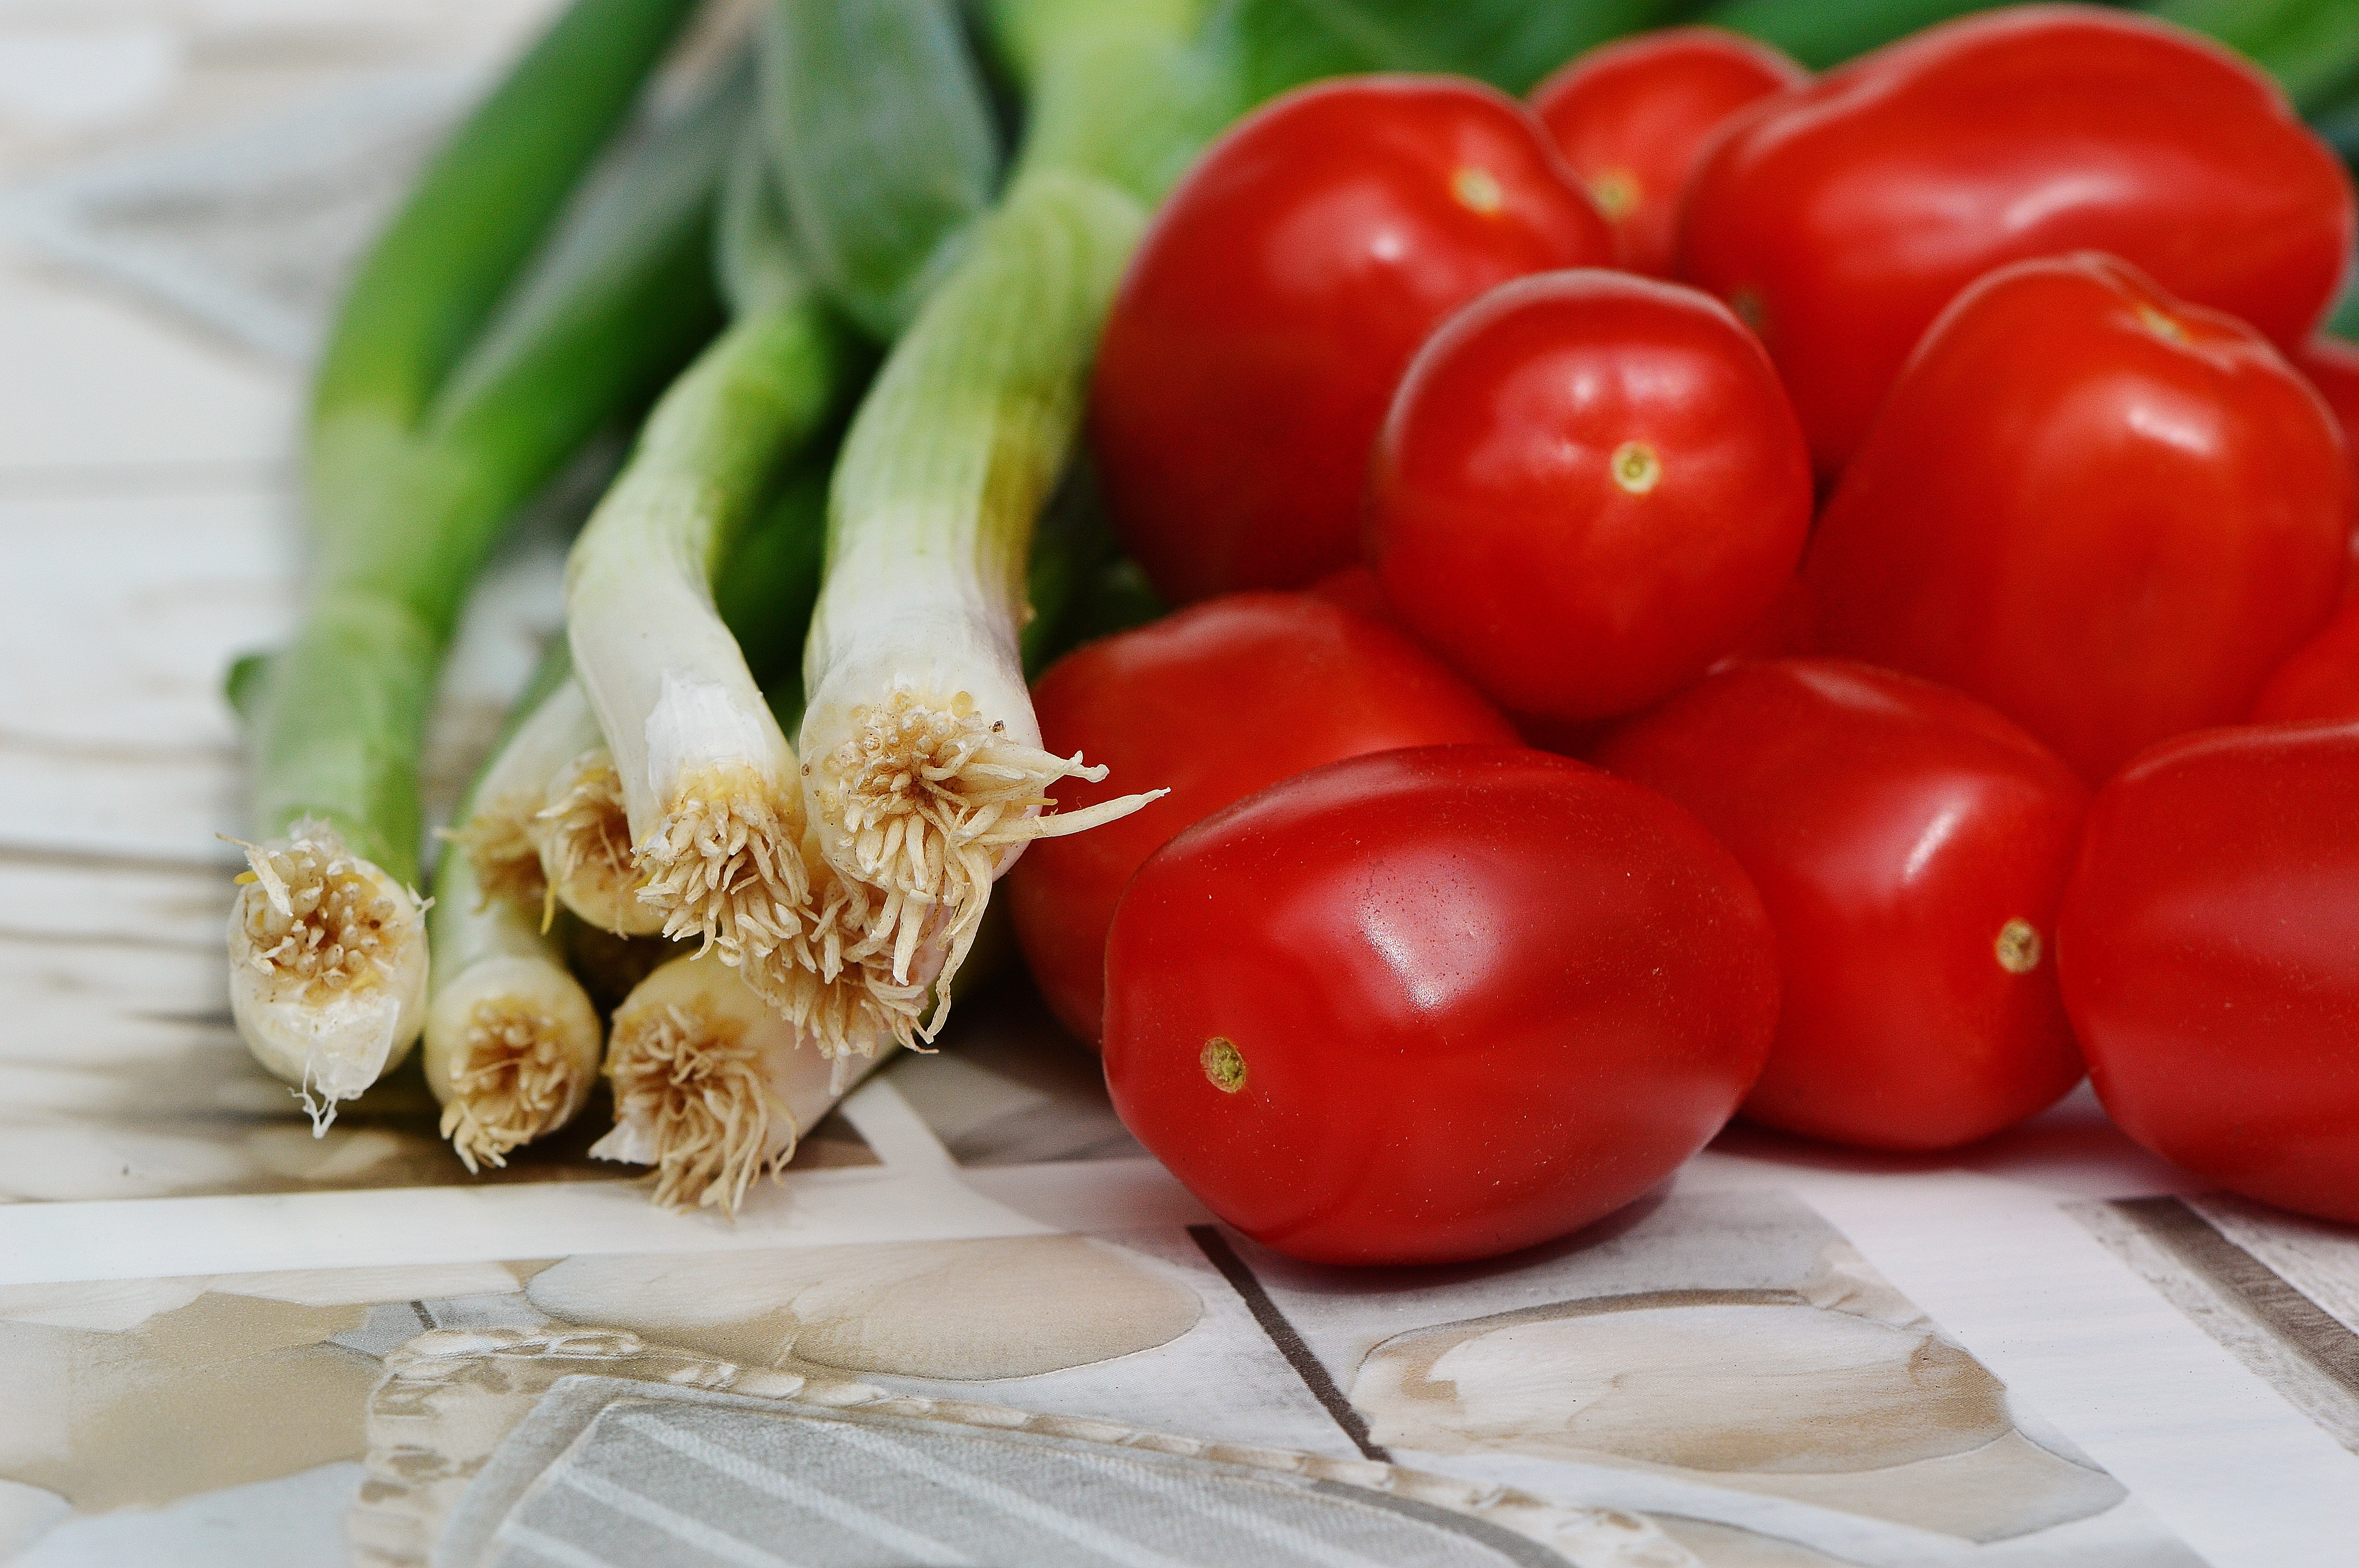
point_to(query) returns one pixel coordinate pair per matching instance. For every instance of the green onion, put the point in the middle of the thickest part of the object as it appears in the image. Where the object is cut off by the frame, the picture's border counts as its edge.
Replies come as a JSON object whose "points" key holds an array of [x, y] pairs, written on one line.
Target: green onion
{"points": [[923, 768], [512, 1042], [709, 784], [710, 1085], [452, 389], [881, 132]]}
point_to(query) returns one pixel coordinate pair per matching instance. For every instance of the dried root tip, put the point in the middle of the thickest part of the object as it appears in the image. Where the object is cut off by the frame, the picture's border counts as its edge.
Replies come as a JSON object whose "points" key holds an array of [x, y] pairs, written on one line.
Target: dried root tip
{"points": [[327, 966], [499, 841], [515, 1077], [583, 835], [724, 865], [932, 803], [694, 1089]]}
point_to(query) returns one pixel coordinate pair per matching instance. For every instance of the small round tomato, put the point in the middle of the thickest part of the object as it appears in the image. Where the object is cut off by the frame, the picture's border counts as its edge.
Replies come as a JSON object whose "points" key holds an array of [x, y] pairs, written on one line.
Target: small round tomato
{"points": [[1632, 119], [1271, 306], [1840, 219], [1211, 703], [2210, 952], [2321, 680], [1911, 846], [1588, 487], [1433, 1005], [2106, 513]]}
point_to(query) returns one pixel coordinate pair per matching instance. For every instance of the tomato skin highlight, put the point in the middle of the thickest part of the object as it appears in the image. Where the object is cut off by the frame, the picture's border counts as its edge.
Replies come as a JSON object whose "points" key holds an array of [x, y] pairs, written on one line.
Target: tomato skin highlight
{"points": [[1481, 997], [1903, 838], [1840, 222], [2209, 954], [1212, 702], [1633, 118], [1589, 486], [2107, 513], [1249, 354]]}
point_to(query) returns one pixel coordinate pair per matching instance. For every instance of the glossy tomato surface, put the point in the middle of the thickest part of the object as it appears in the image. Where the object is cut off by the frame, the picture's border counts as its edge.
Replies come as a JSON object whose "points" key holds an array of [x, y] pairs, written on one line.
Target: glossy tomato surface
{"points": [[1911, 846], [1211, 703], [1842, 221], [1254, 345], [1632, 119], [2321, 681], [1432, 1005], [2210, 953], [2107, 513], [1587, 488]]}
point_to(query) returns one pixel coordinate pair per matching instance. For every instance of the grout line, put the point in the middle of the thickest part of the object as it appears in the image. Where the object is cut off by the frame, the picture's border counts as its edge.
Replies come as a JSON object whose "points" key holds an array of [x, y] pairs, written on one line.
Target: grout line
{"points": [[1288, 1340]]}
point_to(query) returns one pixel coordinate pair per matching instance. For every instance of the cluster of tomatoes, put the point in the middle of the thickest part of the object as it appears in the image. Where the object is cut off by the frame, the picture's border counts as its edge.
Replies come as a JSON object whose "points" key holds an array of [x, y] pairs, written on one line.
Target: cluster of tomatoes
{"points": [[1914, 494]]}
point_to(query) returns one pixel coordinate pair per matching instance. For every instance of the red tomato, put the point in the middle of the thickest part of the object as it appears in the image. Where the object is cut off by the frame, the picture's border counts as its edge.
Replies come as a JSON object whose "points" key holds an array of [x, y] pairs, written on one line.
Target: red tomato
{"points": [[1356, 589], [2332, 366], [1213, 703], [2104, 512], [1842, 218], [2321, 679], [1435, 1005], [1911, 846], [2210, 951], [1250, 352], [1589, 485], [1632, 119]]}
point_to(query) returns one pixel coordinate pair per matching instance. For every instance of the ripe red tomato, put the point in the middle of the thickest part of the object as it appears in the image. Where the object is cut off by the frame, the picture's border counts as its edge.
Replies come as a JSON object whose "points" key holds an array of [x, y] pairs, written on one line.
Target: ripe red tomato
{"points": [[1588, 487], [1213, 703], [2331, 366], [1434, 1005], [2321, 680], [1632, 118], [1251, 350], [1840, 221], [2104, 512], [1911, 846], [2209, 954]]}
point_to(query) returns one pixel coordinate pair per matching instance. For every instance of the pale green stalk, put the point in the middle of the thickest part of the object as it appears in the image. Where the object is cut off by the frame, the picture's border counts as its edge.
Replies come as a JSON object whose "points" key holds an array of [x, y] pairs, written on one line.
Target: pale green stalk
{"points": [[501, 319]]}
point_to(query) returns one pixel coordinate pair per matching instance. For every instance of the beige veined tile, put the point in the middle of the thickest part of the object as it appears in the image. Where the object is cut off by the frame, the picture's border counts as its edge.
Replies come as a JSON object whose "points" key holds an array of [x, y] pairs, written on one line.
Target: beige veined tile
{"points": [[94, 381], [124, 611]]}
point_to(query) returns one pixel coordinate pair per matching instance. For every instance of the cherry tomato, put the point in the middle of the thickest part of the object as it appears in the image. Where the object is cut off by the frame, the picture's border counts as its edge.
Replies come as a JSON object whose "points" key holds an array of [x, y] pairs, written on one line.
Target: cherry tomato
{"points": [[1632, 119], [1250, 350], [1911, 846], [2331, 366], [1589, 485], [1432, 1005], [2104, 512], [1842, 219], [1213, 703], [2321, 680], [1356, 589], [2209, 954]]}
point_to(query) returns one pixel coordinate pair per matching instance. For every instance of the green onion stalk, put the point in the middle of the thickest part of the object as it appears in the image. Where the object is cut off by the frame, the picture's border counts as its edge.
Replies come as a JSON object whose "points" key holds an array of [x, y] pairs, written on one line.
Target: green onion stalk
{"points": [[924, 772], [711, 788], [709, 785], [502, 319], [512, 1045]]}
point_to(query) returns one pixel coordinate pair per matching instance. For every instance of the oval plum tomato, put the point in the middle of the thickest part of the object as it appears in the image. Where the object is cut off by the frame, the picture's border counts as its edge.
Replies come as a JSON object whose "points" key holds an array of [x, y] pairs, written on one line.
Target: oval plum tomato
{"points": [[1842, 219], [1589, 485], [1911, 846], [1250, 350], [1213, 703], [2209, 954], [1632, 119], [1433, 1005], [2104, 512], [2321, 680]]}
